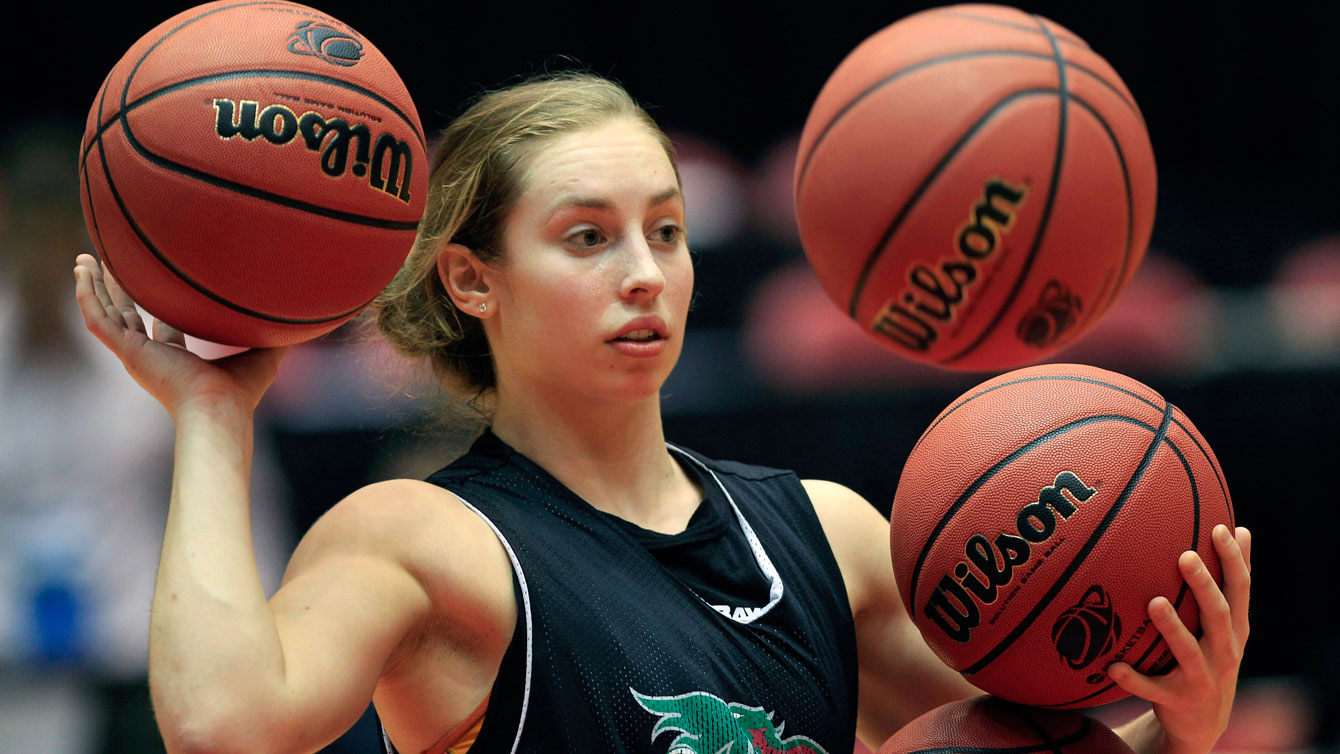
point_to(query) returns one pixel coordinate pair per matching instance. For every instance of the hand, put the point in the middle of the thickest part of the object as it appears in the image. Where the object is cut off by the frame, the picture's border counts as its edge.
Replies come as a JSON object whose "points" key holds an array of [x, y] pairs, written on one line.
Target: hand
{"points": [[161, 364], [1193, 702]]}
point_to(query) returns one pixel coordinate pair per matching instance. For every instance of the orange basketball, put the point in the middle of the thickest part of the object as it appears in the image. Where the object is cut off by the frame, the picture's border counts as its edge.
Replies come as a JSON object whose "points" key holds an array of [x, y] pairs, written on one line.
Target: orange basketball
{"points": [[974, 186], [986, 725], [253, 173], [1037, 517]]}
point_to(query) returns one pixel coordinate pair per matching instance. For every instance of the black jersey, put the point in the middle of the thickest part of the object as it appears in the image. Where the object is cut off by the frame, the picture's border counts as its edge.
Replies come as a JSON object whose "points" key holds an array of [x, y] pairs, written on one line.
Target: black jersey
{"points": [[734, 635]]}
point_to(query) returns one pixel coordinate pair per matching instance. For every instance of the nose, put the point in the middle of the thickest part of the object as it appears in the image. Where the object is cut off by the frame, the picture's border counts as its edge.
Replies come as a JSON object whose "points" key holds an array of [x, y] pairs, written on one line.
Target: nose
{"points": [[643, 277]]}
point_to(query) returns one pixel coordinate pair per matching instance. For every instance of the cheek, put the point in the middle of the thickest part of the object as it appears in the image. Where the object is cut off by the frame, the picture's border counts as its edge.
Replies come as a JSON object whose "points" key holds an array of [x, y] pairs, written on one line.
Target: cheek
{"points": [[680, 279]]}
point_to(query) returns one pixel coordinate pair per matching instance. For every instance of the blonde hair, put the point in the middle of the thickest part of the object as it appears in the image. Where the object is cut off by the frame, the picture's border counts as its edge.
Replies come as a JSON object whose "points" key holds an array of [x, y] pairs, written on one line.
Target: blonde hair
{"points": [[476, 180]]}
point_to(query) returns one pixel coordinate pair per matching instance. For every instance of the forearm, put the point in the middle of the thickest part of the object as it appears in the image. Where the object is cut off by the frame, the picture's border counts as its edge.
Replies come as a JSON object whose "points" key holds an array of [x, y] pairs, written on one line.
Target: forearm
{"points": [[214, 650]]}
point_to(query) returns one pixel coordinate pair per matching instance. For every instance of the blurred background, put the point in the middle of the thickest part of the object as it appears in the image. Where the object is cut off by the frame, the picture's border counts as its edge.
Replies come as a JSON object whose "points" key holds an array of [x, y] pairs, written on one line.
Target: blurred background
{"points": [[1234, 316]]}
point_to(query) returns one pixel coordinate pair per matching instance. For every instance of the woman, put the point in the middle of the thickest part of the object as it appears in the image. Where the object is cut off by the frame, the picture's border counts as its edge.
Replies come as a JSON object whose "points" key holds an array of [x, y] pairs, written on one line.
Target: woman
{"points": [[572, 583]]}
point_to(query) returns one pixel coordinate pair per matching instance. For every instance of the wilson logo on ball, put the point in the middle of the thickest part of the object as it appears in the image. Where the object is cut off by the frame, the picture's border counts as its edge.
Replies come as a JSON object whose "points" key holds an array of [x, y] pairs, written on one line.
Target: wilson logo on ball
{"points": [[388, 162], [319, 40], [935, 293], [954, 604], [1056, 311], [1086, 630]]}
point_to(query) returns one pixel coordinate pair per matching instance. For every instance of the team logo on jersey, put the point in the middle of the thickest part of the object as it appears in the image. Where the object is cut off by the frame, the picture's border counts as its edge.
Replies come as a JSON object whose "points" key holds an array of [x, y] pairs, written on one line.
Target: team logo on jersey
{"points": [[709, 725], [326, 42]]}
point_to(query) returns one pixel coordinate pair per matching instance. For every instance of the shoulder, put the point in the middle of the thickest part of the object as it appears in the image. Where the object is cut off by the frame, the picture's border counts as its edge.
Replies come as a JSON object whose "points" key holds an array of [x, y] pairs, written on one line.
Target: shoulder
{"points": [[411, 525], [858, 534]]}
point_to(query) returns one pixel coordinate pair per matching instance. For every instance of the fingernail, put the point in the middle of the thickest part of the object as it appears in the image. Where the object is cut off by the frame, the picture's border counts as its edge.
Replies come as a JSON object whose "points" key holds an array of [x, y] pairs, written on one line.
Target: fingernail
{"points": [[1221, 534]]}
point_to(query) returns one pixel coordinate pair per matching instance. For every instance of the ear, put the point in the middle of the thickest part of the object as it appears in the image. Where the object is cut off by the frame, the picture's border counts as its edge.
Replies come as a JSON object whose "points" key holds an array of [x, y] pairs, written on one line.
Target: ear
{"points": [[466, 279]]}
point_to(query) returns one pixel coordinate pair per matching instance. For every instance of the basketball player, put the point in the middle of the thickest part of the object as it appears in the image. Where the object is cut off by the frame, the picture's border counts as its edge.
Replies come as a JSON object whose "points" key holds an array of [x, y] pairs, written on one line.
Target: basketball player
{"points": [[573, 583]]}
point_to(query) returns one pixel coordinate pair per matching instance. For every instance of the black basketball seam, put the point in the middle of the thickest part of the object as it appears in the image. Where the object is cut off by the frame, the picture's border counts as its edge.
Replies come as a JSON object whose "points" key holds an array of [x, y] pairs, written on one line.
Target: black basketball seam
{"points": [[1039, 378], [256, 193], [1223, 489], [1041, 732], [96, 235], [1130, 206], [1193, 433], [889, 78], [1066, 741], [878, 251], [1084, 550], [1021, 27], [991, 472], [259, 73], [1182, 590], [130, 220], [1062, 127], [211, 12]]}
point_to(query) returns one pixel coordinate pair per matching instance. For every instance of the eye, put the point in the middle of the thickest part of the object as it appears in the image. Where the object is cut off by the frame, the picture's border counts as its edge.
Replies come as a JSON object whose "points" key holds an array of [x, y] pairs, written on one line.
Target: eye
{"points": [[586, 238], [668, 234]]}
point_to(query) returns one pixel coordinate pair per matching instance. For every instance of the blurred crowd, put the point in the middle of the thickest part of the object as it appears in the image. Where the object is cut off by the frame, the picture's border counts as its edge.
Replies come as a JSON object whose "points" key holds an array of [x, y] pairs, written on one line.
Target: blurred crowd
{"points": [[770, 364]]}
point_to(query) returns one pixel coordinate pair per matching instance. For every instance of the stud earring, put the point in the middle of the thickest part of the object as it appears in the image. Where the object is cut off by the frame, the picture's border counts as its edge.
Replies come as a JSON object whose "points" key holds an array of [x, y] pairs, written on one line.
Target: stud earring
{"points": [[483, 306]]}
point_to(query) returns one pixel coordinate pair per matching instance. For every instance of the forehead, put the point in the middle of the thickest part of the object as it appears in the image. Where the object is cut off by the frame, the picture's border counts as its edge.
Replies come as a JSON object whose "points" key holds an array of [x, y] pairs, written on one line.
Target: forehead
{"points": [[620, 159]]}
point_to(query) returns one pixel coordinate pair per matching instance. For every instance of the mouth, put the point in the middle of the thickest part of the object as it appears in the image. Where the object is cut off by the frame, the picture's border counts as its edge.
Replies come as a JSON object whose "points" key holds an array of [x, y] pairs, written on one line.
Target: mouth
{"points": [[640, 336], [642, 330]]}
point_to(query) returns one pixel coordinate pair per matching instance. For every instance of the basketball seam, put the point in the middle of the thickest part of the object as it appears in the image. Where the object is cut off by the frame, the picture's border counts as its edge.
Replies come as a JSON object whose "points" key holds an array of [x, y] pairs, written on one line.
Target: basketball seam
{"points": [[878, 252], [130, 220], [88, 186], [1084, 550], [1189, 429], [930, 62], [259, 73], [1182, 590], [991, 472], [1118, 284], [1032, 724], [1194, 434], [222, 182], [1021, 27], [1039, 378], [1063, 125]]}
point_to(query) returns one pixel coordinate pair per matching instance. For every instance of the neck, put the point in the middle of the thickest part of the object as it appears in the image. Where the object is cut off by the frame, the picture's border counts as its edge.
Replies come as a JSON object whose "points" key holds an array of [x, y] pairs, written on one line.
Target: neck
{"points": [[614, 457]]}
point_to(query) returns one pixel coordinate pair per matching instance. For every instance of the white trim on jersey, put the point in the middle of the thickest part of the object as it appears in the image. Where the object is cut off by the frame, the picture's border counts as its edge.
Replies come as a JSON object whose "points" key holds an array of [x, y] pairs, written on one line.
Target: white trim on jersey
{"points": [[743, 615], [525, 600]]}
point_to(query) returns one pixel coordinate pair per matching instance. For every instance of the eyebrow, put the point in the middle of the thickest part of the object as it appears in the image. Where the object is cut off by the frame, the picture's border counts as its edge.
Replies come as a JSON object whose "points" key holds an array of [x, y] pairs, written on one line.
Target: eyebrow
{"points": [[600, 203]]}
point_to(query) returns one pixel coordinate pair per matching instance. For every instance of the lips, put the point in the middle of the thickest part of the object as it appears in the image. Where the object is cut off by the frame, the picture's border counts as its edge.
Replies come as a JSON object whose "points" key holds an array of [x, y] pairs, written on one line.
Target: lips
{"points": [[642, 330], [643, 337]]}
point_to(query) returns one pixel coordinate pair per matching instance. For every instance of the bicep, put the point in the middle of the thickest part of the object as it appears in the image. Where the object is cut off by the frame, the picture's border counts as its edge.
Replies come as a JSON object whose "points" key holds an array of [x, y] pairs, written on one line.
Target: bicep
{"points": [[347, 601], [900, 677], [339, 622]]}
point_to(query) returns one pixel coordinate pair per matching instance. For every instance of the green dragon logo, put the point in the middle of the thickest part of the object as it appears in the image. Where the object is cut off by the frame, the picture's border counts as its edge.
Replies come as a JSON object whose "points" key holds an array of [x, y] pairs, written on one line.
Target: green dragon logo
{"points": [[709, 725]]}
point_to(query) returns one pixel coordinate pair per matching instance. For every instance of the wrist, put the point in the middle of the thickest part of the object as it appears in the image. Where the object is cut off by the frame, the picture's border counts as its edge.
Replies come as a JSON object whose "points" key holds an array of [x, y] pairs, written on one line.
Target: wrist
{"points": [[213, 408]]}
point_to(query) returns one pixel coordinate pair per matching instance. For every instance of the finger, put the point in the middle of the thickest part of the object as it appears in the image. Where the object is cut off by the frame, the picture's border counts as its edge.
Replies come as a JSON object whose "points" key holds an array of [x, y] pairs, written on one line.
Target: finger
{"points": [[1216, 618], [122, 301], [1156, 690], [165, 333], [101, 319], [1245, 542], [1237, 577], [1181, 642], [104, 298]]}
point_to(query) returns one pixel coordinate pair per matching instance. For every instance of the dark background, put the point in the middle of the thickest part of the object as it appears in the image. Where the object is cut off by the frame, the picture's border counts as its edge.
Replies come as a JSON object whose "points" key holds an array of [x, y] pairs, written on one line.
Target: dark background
{"points": [[1243, 107]]}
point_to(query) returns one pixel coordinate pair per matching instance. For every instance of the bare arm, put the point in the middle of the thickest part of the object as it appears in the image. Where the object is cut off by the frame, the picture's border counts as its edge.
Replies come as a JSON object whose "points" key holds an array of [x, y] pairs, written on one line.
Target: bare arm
{"points": [[900, 677], [229, 671]]}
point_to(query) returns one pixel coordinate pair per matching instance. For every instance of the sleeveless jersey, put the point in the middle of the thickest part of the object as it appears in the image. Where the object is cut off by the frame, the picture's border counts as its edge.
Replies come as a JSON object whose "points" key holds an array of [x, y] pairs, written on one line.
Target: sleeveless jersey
{"points": [[734, 635]]}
